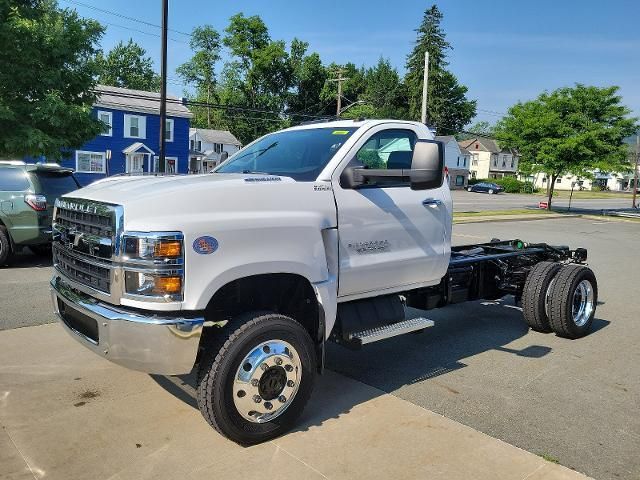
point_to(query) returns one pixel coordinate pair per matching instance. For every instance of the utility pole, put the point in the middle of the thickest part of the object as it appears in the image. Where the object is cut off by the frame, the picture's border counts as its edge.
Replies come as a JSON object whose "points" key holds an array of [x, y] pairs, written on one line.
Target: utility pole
{"points": [[163, 87], [425, 83], [340, 79], [635, 171]]}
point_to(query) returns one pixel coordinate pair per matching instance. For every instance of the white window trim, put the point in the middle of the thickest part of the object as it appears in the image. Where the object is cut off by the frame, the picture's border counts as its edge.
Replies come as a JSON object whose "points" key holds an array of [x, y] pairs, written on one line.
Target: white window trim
{"points": [[167, 157], [104, 161], [142, 126], [170, 123], [110, 132]]}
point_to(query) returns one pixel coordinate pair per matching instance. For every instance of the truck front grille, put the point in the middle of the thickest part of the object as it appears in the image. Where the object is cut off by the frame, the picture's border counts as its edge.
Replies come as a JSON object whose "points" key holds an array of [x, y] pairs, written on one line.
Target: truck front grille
{"points": [[86, 241], [82, 271]]}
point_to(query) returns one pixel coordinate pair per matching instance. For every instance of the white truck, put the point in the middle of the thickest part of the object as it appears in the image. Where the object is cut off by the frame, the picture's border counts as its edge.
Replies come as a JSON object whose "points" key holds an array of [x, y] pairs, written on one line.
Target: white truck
{"points": [[325, 231]]}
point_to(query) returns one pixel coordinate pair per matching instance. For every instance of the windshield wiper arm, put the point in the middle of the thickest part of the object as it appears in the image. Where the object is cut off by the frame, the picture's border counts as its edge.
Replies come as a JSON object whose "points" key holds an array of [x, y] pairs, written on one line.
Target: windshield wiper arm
{"points": [[256, 172]]}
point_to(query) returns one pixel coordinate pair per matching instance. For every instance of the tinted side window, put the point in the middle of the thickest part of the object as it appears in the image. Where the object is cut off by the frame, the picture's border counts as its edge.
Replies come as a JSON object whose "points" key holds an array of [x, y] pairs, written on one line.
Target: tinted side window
{"points": [[13, 180], [389, 149]]}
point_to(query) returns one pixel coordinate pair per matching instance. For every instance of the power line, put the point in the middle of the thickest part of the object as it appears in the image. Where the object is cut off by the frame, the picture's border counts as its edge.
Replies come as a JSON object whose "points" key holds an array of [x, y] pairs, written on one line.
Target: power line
{"points": [[120, 15], [157, 35]]}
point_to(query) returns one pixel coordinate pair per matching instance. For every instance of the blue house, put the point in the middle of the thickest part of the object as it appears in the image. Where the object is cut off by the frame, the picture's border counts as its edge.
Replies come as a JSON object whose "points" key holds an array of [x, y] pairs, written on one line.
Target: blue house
{"points": [[131, 143]]}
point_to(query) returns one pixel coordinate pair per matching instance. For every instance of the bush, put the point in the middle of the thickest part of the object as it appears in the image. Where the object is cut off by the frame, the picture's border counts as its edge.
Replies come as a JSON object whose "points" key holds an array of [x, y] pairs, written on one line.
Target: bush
{"points": [[510, 184]]}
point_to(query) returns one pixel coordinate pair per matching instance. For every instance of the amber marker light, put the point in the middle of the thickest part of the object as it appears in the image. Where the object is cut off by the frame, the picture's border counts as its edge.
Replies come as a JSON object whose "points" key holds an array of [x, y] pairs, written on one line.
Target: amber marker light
{"points": [[167, 285], [167, 249]]}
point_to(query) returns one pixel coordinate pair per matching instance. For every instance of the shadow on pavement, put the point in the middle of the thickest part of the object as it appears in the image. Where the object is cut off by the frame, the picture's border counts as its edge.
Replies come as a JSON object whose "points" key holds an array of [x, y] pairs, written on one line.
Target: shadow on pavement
{"points": [[28, 260], [460, 331]]}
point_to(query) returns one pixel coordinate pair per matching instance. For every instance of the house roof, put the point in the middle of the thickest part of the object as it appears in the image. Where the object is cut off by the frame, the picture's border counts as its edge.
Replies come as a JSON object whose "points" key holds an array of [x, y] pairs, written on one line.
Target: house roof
{"points": [[215, 136], [487, 144], [138, 101], [445, 138], [136, 148]]}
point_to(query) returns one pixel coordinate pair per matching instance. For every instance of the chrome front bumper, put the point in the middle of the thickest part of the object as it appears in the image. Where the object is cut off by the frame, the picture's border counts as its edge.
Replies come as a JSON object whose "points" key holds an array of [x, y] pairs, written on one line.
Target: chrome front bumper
{"points": [[149, 343]]}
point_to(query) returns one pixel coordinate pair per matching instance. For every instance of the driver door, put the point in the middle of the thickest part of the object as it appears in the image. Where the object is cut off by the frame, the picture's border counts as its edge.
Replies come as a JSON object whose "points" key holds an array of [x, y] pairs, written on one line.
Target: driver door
{"points": [[391, 237]]}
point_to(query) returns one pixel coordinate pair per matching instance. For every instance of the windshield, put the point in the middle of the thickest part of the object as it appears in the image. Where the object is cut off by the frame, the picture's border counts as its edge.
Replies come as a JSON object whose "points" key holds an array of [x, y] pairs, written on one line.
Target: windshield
{"points": [[299, 154], [54, 184]]}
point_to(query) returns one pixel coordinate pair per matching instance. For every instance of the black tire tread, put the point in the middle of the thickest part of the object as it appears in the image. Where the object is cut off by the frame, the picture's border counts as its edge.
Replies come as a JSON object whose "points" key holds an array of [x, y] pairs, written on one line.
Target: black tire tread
{"points": [[533, 295], [559, 313], [5, 250], [216, 350]]}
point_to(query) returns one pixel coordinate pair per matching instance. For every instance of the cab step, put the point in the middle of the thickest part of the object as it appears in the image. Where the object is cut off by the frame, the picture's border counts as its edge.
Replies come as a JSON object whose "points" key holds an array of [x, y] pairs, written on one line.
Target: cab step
{"points": [[358, 339]]}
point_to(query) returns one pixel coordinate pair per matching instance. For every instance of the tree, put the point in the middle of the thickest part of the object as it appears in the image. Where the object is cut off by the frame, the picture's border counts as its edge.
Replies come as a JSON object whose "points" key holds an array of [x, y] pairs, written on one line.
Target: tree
{"points": [[258, 77], [309, 77], [482, 128], [47, 72], [127, 66], [200, 70], [571, 130], [448, 109]]}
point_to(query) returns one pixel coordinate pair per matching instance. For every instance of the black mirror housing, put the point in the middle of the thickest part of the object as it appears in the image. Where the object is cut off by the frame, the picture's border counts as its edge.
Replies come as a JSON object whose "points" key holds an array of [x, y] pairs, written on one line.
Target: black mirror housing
{"points": [[427, 165]]}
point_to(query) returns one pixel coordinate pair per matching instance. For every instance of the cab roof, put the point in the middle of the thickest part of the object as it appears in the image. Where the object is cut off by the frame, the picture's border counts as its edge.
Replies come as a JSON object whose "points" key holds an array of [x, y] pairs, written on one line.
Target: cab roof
{"points": [[40, 167]]}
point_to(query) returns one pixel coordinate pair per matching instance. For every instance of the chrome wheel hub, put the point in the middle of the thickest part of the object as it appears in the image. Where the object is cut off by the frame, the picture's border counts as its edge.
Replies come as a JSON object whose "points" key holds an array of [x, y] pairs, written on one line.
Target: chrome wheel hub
{"points": [[267, 381], [582, 305]]}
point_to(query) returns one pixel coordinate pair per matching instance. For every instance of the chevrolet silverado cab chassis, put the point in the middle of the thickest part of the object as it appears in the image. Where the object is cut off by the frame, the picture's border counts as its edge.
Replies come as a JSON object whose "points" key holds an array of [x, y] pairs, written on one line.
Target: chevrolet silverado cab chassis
{"points": [[321, 232]]}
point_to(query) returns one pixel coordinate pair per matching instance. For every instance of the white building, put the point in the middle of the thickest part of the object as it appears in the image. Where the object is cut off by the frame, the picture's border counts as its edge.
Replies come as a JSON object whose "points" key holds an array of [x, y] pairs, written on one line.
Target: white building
{"points": [[208, 148], [488, 160], [456, 160]]}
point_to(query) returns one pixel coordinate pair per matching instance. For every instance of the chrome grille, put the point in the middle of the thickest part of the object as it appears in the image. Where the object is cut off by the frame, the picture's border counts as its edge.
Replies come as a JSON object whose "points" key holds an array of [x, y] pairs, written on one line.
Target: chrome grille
{"points": [[86, 243], [82, 271]]}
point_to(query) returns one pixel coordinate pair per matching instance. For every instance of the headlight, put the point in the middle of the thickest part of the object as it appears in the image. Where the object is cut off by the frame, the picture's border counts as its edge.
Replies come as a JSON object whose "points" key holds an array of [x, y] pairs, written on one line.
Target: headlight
{"points": [[153, 284], [156, 264]]}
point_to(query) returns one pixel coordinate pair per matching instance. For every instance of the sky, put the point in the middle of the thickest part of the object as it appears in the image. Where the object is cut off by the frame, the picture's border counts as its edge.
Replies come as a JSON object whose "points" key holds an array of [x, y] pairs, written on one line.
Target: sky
{"points": [[503, 51]]}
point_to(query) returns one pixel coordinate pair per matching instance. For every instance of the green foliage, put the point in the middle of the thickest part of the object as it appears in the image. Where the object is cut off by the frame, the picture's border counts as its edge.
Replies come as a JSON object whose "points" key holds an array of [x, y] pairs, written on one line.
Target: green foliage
{"points": [[481, 128], [571, 130], [510, 184], [448, 109], [127, 66], [200, 71], [47, 72]]}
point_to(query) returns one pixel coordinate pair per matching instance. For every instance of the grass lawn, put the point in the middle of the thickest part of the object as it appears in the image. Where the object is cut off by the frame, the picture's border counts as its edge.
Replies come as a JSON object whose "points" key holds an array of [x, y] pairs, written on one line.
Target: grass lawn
{"points": [[587, 194], [492, 213]]}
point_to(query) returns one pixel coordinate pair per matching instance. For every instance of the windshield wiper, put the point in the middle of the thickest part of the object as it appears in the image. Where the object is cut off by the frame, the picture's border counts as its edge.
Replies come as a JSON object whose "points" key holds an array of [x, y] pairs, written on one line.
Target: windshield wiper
{"points": [[256, 172]]}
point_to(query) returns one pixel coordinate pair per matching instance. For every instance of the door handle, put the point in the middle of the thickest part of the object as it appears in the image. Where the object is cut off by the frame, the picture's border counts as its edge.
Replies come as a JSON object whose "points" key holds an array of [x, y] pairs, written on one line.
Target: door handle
{"points": [[431, 202]]}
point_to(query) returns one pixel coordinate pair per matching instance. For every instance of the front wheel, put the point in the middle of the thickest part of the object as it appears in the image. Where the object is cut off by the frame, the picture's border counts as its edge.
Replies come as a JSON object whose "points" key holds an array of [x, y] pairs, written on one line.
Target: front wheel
{"points": [[469, 189], [255, 379], [490, 191], [5, 246]]}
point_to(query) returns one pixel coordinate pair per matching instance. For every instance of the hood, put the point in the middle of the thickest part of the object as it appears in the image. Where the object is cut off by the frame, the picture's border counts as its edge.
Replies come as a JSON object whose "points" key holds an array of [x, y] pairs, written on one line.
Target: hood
{"points": [[134, 189], [168, 203]]}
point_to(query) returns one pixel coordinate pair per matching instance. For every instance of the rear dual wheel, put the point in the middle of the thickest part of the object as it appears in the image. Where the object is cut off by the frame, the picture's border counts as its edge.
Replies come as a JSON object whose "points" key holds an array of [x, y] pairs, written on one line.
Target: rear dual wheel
{"points": [[560, 298]]}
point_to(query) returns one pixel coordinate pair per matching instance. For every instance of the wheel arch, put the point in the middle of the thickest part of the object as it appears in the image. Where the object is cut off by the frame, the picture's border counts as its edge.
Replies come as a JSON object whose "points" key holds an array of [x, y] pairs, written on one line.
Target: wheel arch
{"points": [[290, 294]]}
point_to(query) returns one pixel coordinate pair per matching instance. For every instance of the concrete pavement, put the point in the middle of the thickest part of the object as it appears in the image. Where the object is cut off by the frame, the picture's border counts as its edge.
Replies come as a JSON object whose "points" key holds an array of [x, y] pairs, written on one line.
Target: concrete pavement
{"points": [[68, 414]]}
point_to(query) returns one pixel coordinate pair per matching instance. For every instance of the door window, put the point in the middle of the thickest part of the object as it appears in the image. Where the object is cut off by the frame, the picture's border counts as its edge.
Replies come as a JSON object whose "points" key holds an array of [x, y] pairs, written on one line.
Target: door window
{"points": [[389, 149], [13, 180]]}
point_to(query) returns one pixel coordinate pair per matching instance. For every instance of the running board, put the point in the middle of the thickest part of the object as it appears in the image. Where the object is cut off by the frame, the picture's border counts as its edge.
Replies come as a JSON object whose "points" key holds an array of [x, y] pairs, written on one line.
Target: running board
{"points": [[388, 331]]}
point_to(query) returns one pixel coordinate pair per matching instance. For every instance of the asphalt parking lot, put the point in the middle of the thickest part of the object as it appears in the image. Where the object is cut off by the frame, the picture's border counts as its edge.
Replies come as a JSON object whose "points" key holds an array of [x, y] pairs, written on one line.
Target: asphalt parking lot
{"points": [[572, 401], [464, 201]]}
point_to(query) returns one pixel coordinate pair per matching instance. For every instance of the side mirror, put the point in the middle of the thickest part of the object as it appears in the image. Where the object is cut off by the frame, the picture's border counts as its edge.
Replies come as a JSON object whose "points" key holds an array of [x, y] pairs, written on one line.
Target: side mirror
{"points": [[427, 165]]}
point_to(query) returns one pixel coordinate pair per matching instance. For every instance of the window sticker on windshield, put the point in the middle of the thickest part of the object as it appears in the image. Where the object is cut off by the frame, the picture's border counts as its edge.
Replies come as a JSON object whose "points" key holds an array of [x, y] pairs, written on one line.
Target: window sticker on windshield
{"points": [[340, 132]]}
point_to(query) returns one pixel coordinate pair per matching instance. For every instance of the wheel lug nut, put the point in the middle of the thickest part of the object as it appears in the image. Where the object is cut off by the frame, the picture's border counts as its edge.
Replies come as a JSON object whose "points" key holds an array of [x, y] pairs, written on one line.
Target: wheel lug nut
{"points": [[290, 383], [282, 399], [254, 382], [257, 398], [268, 405], [264, 366], [278, 361], [288, 368]]}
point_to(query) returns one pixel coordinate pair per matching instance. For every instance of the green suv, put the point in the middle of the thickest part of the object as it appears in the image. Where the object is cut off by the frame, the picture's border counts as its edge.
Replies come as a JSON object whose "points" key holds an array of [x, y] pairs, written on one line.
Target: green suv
{"points": [[27, 195]]}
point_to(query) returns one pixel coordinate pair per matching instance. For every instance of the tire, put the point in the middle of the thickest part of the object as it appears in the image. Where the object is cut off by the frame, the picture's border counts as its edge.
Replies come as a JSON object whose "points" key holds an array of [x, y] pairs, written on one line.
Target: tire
{"points": [[490, 191], [469, 189], [534, 295], [5, 246], [43, 250], [573, 283], [218, 392]]}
